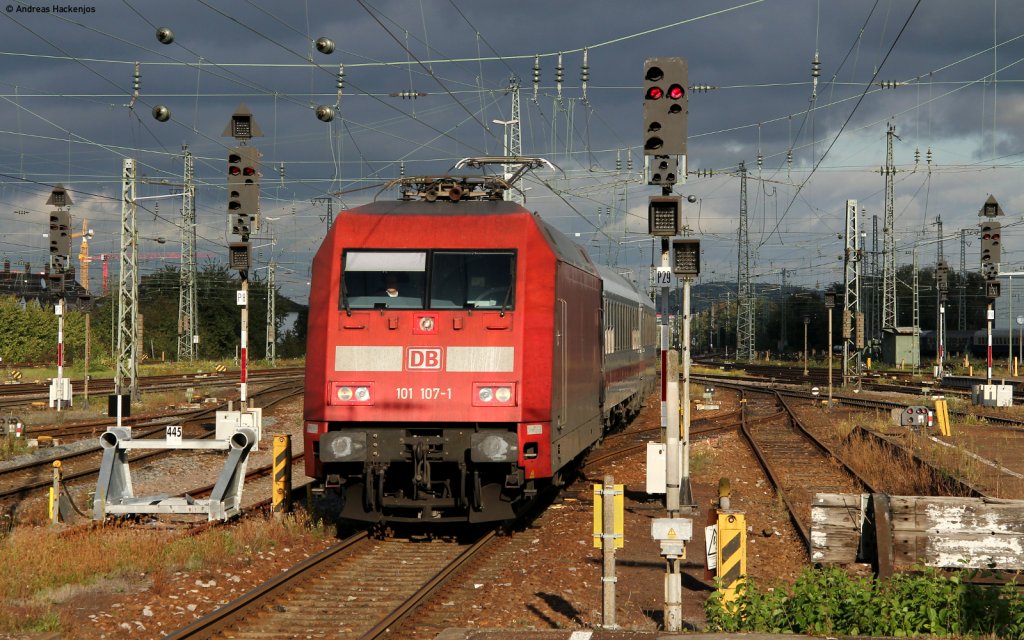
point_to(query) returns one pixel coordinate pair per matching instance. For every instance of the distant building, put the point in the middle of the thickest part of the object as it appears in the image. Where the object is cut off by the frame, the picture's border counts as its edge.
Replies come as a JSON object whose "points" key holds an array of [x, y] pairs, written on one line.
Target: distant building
{"points": [[28, 285]]}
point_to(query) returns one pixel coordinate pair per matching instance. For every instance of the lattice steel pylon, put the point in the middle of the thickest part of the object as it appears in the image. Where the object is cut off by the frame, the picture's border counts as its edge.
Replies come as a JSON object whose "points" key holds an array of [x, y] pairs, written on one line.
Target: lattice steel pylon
{"points": [[515, 138], [853, 319], [889, 242], [128, 290], [873, 314], [961, 321], [271, 316], [744, 299], [188, 314]]}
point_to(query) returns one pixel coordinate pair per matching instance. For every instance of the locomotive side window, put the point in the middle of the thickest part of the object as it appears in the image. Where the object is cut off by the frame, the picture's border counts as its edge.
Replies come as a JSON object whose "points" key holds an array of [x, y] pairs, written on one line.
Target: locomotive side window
{"points": [[384, 279], [472, 280]]}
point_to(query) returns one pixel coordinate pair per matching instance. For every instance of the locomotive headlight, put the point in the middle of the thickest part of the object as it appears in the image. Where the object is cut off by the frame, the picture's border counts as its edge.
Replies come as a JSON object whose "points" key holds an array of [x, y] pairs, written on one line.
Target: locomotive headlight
{"points": [[426, 323], [494, 394], [360, 393]]}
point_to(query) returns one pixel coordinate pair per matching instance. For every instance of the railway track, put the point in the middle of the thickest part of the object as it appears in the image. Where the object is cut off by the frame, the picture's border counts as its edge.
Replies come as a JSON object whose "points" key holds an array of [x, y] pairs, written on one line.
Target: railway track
{"points": [[359, 588], [797, 463], [21, 394], [852, 400]]}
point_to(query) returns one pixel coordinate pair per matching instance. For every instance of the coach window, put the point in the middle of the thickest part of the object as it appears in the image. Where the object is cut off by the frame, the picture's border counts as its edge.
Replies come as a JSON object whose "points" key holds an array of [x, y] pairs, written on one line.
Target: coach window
{"points": [[383, 279], [473, 280]]}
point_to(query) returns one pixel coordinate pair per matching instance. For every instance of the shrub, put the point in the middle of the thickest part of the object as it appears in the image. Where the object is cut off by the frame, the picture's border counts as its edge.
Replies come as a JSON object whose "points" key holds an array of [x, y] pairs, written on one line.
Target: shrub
{"points": [[827, 601]]}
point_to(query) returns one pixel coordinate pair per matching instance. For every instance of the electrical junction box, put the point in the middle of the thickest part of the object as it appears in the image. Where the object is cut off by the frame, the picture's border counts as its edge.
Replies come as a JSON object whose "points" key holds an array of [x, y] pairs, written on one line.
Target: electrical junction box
{"points": [[672, 534], [60, 392], [230, 421], [992, 395], [656, 466]]}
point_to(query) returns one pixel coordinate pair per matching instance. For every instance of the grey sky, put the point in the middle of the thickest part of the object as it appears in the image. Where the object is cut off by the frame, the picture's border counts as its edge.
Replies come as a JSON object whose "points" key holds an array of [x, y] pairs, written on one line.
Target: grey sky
{"points": [[66, 81]]}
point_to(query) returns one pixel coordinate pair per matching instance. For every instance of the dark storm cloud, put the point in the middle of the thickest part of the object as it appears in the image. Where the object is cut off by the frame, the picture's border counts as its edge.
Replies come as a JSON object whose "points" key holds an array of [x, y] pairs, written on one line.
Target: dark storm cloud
{"points": [[759, 55]]}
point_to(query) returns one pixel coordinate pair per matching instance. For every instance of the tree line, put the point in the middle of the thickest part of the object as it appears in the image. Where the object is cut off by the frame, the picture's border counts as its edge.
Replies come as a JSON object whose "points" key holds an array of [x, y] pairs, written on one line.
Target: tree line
{"points": [[30, 326]]}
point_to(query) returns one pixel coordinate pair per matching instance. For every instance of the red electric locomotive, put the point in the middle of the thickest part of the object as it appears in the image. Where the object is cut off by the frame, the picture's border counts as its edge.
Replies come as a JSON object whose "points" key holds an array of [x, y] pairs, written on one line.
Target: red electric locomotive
{"points": [[461, 353]]}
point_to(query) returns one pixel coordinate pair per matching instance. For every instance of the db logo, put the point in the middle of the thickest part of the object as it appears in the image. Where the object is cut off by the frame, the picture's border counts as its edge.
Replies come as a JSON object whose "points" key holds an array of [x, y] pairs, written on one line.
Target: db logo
{"points": [[423, 358]]}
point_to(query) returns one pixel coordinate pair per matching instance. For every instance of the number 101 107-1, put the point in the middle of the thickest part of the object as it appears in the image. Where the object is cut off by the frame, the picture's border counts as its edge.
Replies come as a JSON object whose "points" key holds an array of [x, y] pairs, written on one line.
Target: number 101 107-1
{"points": [[424, 393]]}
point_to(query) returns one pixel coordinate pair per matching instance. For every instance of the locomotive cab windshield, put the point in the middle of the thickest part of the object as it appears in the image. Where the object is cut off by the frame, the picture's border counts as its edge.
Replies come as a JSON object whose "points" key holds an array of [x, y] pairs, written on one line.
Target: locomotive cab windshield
{"points": [[436, 279]]}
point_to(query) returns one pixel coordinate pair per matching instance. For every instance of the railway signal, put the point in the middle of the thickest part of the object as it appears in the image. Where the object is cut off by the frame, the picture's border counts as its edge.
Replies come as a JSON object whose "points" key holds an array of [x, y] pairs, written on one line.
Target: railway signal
{"points": [[686, 258], [991, 242], [60, 233], [942, 275], [664, 170], [663, 215], [666, 101], [243, 188]]}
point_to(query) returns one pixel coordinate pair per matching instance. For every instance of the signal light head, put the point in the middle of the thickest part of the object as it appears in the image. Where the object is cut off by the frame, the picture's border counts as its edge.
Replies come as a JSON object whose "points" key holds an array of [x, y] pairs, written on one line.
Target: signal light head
{"points": [[675, 92], [234, 170], [654, 73], [655, 93], [653, 143], [249, 171]]}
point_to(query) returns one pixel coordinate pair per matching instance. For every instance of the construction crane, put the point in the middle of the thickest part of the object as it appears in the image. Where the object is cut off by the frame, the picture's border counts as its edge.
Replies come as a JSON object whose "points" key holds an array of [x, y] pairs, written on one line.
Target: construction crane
{"points": [[83, 255], [105, 259]]}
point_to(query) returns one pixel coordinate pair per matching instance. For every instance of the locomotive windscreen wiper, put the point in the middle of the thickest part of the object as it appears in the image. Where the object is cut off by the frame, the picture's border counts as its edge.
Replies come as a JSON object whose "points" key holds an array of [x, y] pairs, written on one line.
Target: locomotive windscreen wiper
{"points": [[344, 297], [504, 303]]}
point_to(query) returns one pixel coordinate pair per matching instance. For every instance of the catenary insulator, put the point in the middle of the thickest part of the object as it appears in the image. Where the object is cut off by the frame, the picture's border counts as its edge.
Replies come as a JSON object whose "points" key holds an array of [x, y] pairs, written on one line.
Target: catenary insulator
{"points": [[536, 76], [584, 76], [929, 155], [325, 45], [325, 113], [559, 74]]}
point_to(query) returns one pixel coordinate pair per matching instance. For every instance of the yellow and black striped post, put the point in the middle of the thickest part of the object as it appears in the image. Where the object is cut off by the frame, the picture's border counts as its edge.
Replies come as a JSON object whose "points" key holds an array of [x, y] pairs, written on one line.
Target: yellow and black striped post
{"points": [[281, 501], [732, 552]]}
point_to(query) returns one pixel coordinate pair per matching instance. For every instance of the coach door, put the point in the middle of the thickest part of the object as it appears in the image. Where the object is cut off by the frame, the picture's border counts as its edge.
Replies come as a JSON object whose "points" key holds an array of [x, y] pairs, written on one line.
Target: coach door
{"points": [[559, 397]]}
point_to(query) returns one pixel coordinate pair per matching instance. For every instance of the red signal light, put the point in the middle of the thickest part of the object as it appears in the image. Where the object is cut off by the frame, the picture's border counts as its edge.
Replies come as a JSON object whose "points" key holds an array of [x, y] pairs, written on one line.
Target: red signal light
{"points": [[234, 171], [655, 93], [675, 92], [249, 171]]}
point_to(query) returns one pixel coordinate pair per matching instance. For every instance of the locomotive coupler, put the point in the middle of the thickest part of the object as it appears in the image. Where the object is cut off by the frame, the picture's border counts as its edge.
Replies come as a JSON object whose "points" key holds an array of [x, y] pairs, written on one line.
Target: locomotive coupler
{"points": [[421, 465]]}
